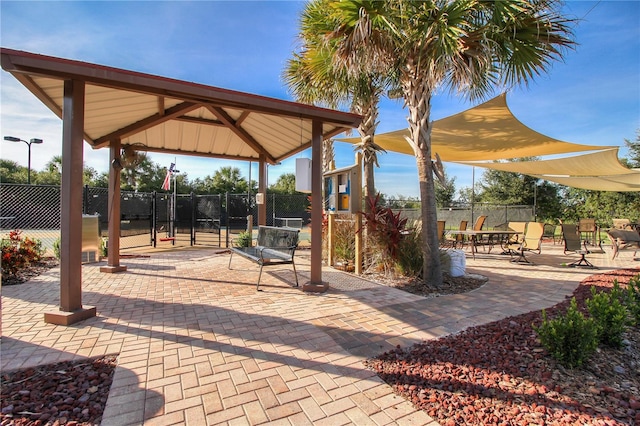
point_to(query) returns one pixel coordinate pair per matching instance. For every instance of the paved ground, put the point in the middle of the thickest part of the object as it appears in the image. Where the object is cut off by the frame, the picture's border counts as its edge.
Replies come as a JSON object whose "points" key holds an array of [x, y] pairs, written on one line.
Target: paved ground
{"points": [[198, 345]]}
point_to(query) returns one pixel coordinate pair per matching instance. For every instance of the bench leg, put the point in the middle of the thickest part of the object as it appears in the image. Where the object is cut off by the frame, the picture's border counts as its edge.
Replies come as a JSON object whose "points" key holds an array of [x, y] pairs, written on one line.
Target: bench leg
{"points": [[259, 276], [295, 273], [229, 267]]}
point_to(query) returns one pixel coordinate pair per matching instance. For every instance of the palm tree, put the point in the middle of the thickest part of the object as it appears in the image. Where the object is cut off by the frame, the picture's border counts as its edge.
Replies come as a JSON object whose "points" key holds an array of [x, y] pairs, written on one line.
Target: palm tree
{"points": [[467, 46], [133, 163], [314, 78]]}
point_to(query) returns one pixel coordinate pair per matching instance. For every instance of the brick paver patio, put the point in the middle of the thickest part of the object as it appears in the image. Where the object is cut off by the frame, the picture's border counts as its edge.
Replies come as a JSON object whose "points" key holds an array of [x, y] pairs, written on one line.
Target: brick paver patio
{"points": [[198, 345]]}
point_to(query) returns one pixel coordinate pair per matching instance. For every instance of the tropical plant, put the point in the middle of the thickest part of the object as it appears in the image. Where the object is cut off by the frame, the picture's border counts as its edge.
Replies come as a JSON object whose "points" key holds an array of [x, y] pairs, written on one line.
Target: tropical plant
{"points": [[315, 77], [385, 230], [286, 184], [12, 172], [467, 46], [19, 252]]}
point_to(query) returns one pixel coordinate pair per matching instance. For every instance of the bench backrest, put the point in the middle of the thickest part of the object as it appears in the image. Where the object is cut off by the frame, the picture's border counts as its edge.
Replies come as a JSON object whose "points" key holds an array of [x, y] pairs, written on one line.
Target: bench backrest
{"points": [[274, 237]]}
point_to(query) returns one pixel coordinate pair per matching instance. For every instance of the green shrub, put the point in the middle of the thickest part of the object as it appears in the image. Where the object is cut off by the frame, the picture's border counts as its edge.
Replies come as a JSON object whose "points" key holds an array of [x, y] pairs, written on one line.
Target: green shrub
{"points": [[344, 240], [409, 261], [56, 248], [104, 246], [243, 239], [611, 316], [632, 299], [570, 338], [18, 252]]}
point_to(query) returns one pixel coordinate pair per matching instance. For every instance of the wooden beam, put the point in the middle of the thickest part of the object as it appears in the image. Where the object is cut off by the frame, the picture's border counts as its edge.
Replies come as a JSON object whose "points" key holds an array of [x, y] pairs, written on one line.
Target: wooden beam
{"points": [[145, 123], [198, 120], [196, 154], [240, 132]]}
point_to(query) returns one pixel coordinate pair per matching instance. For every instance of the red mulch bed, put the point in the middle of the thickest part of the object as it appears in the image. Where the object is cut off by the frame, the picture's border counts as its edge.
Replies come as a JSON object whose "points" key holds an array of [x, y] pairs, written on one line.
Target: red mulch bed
{"points": [[499, 374], [69, 393]]}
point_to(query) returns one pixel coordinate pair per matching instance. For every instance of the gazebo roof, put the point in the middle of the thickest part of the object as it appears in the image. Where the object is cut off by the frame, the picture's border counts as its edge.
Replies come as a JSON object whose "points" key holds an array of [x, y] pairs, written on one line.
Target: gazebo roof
{"points": [[159, 114]]}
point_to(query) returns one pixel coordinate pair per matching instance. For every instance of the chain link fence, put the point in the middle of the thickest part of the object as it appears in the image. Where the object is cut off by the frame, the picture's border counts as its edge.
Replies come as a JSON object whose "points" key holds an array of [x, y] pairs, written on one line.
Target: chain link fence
{"points": [[148, 219], [497, 214]]}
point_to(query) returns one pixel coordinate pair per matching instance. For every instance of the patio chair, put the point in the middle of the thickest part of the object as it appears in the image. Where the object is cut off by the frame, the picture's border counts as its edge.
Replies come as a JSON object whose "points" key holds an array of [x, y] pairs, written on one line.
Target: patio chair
{"points": [[479, 223], [591, 231], [532, 241], [573, 243], [622, 224], [459, 239], [516, 239]]}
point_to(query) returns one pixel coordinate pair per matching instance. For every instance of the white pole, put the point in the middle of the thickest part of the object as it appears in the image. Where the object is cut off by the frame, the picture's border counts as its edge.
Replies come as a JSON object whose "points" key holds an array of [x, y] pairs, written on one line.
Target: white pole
{"points": [[473, 190]]}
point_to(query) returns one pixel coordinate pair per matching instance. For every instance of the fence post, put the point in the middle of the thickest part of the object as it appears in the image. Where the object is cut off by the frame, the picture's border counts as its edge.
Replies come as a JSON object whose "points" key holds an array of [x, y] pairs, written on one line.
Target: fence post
{"points": [[193, 218], [359, 254], [330, 237], [85, 200], [273, 202], [154, 219], [226, 200]]}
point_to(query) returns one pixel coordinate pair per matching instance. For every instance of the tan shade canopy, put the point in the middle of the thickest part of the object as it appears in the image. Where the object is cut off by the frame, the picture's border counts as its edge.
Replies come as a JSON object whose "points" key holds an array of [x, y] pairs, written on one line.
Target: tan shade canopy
{"points": [[600, 171], [617, 183], [601, 163], [488, 131]]}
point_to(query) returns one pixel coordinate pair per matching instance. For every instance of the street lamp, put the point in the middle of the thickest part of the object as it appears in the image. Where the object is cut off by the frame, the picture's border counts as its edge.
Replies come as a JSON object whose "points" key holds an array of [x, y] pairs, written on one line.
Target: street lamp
{"points": [[36, 141]]}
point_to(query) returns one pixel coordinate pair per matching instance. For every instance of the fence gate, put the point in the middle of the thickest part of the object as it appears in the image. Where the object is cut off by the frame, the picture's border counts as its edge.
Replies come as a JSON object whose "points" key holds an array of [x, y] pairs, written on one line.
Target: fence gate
{"points": [[206, 219]]}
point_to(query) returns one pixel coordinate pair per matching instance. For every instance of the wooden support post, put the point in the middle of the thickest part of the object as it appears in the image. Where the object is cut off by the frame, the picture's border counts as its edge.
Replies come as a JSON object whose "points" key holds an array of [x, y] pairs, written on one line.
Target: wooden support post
{"points": [[113, 254], [71, 309], [316, 284]]}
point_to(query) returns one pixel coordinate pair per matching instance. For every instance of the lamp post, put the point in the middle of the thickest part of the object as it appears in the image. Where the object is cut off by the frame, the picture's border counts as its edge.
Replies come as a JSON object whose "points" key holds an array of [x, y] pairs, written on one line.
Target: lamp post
{"points": [[32, 141]]}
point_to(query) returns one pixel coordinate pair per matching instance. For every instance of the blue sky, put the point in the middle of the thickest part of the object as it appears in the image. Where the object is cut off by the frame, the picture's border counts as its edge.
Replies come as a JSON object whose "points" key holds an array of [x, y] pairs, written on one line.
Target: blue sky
{"points": [[592, 97]]}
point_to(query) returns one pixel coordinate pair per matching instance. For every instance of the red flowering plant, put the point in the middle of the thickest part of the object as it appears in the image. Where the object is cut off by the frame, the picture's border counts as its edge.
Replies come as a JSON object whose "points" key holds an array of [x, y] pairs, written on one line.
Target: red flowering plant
{"points": [[19, 252], [384, 225]]}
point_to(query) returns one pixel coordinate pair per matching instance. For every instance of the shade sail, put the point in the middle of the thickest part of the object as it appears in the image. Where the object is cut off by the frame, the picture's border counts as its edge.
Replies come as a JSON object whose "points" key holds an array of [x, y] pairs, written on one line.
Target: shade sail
{"points": [[599, 171], [488, 131], [617, 183], [601, 163]]}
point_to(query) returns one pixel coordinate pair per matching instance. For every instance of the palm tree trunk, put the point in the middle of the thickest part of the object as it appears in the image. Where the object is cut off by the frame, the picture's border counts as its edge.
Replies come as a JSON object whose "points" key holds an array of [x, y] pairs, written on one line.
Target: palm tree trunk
{"points": [[418, 98], [367, 130]]}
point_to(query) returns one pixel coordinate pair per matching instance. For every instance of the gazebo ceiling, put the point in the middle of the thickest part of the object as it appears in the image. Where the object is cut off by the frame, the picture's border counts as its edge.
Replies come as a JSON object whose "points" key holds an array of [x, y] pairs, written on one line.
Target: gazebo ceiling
{"points": [[158, 114]]}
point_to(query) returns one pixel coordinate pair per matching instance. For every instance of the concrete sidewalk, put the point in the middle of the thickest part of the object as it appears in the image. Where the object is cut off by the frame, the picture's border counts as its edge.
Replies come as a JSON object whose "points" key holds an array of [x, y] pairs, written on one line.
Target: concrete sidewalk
{"points": [[198, 345]]}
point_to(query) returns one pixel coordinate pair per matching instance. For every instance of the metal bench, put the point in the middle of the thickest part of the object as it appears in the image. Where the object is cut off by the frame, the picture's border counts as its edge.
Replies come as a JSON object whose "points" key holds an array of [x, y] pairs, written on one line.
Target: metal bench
{"points": [[274, 246]]}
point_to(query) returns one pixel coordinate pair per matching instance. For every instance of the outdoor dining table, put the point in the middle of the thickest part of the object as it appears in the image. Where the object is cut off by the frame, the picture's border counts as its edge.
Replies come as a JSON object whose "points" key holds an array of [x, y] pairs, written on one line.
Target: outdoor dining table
{"points": [[476, 236]]}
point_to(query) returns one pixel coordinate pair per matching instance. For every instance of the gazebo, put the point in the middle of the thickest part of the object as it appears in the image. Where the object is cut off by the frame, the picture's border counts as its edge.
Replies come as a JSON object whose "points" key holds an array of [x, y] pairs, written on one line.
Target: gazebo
{"points": [[116, 108]]}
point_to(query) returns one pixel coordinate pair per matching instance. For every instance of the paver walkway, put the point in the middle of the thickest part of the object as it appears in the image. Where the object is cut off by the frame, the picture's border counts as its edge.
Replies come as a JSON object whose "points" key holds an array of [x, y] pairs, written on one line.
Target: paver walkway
{"points": [[198, 345]]}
